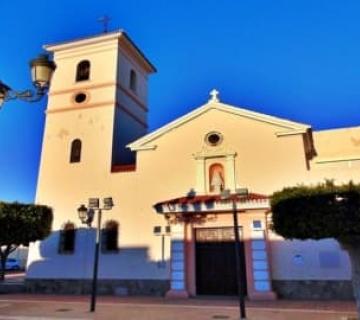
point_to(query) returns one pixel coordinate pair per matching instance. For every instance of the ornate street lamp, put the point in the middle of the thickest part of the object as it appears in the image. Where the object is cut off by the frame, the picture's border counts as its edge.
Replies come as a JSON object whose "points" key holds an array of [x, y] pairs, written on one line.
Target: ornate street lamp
{"points": [[227, 196], [42, 69], [86, 216], [4, 89]]}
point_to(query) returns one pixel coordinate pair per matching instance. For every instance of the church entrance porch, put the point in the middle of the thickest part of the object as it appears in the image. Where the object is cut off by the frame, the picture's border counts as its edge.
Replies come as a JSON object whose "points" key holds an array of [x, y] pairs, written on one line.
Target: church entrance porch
{"points": [[202, 245], [215, 262]]}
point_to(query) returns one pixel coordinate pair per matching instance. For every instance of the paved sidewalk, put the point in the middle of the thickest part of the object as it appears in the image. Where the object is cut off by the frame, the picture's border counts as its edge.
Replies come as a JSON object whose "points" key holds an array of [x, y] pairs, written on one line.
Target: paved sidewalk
{"points": [[47, 307]]}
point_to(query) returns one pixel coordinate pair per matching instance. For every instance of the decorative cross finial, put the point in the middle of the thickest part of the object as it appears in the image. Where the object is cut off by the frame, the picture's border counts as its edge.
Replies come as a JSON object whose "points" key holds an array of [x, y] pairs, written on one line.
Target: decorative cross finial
{"points": [[214, 95], [105, 21]]}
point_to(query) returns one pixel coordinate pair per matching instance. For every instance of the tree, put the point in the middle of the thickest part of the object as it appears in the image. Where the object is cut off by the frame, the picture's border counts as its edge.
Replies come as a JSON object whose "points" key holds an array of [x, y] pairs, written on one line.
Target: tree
{"points": [[322, 211], [19, 225]]}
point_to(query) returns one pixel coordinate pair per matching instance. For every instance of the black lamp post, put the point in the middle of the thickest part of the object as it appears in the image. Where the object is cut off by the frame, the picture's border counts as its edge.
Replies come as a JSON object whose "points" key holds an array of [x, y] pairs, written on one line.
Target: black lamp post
{"points": [[42, 70], [86, 215], [227, 196]]}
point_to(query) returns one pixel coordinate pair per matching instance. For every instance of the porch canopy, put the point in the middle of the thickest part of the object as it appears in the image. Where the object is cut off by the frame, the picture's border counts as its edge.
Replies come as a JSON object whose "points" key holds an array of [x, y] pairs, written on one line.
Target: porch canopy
{"points": [[212, 203]]}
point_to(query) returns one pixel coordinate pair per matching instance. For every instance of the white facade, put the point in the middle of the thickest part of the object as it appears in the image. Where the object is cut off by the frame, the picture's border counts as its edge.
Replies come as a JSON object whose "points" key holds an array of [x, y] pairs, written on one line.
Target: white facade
{"points": [[256, 151]]}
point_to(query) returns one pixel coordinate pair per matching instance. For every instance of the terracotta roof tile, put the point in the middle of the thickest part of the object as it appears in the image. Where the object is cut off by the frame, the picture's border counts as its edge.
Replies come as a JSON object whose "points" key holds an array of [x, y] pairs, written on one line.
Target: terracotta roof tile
{"points": [[211, 198]]}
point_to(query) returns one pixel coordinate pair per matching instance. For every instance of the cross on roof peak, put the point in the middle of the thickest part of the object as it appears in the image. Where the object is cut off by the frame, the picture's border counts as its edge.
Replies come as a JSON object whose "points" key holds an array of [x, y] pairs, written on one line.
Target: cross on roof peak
{"points": [[214, 95]]}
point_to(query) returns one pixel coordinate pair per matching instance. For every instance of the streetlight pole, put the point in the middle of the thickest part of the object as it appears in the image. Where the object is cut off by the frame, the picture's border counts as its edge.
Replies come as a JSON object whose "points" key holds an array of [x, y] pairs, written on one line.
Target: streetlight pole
{"points": [[96, 263], [87, 216], [226, 195], [238, 261]]}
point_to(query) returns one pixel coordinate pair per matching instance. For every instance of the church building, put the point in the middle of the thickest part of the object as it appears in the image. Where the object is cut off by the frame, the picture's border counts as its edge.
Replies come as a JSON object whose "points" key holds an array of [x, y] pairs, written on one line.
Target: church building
{"points": [[170, 232]]}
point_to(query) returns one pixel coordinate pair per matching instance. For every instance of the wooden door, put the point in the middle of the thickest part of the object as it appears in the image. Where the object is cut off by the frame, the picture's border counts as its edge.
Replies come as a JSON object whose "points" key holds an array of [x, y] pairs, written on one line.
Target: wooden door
{"points": [[215, 262]]}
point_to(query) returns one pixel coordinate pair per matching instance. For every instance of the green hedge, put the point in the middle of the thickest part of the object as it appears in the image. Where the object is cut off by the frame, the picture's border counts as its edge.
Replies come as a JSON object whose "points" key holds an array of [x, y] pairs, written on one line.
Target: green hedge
{"points": [[316, 212]]}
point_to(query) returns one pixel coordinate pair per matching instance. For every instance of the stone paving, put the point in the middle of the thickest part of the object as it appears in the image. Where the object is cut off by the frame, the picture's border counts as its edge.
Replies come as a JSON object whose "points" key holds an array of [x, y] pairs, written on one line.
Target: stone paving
{"points": [[45, 307]]}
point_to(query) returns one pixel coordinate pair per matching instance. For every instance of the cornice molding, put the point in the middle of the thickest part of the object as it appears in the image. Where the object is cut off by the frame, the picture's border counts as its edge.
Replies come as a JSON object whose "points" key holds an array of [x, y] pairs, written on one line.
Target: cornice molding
{"points": [[120, 37], [337, 159], [90, 86], [219, 152], [84, 87], [290, 132], [132, 96], [80, 107], [132, 115]]}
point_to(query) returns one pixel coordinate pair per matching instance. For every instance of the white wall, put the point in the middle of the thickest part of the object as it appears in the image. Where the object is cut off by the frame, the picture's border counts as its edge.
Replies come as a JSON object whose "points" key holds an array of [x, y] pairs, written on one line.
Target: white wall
{"points": [[129, 263], [309, 260]]}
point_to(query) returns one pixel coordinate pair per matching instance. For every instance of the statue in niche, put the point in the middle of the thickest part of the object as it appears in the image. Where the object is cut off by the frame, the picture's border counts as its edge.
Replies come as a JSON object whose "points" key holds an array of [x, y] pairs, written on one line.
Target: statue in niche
{"points": [[216, 178]]}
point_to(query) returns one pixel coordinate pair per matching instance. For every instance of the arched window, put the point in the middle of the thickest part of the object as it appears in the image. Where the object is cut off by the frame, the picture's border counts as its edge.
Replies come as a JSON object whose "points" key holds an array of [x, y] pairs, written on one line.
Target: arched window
{"points": [[67, 238], [109, 236], [133, 80], [83, 70], [75, 152], [216, 178]]}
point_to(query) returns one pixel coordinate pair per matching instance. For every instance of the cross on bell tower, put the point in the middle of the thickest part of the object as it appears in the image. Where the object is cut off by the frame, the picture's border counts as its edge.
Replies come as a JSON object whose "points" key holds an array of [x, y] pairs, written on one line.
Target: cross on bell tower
{"points": [[105, 21]]}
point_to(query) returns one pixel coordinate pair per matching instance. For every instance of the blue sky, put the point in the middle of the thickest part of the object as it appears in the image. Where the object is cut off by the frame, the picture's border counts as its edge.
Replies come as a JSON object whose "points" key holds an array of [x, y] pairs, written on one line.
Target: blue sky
{"points": [[297, 59]]}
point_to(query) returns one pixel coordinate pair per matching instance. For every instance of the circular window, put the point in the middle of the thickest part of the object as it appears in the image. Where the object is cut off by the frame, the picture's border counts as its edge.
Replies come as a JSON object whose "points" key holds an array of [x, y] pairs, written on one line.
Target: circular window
{"points": [[80, 97], [213, 138]]}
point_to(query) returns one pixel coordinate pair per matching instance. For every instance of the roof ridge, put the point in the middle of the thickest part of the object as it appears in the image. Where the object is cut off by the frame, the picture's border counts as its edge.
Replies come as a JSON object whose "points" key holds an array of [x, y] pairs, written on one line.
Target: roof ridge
{"points": [[118, 31]]}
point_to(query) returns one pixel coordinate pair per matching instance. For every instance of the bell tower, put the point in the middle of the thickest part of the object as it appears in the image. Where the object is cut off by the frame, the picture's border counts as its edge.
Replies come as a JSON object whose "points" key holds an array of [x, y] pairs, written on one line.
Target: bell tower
{"points": [[97, 104]]}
